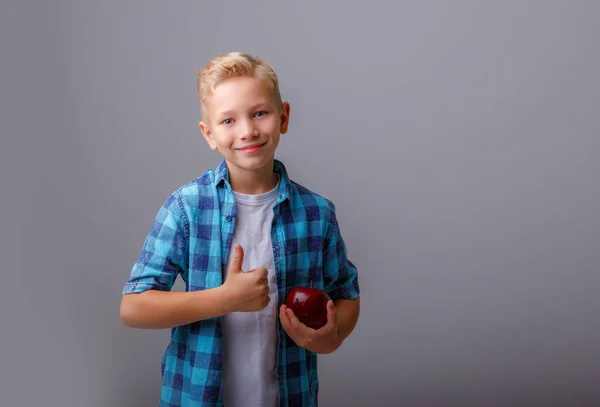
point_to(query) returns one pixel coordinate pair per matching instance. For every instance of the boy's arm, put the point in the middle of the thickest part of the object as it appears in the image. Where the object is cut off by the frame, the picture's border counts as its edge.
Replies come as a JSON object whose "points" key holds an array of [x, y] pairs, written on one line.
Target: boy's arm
{"points": [[147, 300], [347, 317], [341, 283], [155, 309], [340, 280]]}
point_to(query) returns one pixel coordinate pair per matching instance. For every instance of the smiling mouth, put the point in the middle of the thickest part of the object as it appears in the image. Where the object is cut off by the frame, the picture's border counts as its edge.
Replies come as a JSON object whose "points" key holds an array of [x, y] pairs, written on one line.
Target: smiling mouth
{"points": [[250, 149]]}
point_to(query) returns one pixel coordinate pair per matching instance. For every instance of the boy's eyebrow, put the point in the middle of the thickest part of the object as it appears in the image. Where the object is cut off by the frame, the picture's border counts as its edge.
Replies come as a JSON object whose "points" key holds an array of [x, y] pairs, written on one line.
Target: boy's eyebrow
{"points": [[260, 105], [254, 107]]}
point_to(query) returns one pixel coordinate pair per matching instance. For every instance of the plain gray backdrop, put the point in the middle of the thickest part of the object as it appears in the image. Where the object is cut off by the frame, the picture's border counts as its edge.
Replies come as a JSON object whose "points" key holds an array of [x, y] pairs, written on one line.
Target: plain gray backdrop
{"points": [[459, 141]]}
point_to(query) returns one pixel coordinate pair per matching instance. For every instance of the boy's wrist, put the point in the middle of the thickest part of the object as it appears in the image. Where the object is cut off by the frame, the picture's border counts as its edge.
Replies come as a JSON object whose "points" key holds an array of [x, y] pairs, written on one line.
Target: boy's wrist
{"points": [[326, 345], [220, 302], [223, 300]]}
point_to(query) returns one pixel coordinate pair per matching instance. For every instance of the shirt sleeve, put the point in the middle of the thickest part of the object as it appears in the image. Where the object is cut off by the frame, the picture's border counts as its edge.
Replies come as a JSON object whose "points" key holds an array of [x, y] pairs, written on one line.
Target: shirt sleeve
{"points": [[164, 252], [339, 273]]}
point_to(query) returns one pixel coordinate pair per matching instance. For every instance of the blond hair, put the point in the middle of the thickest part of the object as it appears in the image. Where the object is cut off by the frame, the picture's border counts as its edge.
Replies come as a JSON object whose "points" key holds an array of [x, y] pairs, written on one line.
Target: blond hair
{"points": [[235, 64]]}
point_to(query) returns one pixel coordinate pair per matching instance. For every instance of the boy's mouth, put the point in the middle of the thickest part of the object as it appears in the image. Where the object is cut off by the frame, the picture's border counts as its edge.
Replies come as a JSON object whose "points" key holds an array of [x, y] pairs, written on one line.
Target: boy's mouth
{"points": [[251, 148]]}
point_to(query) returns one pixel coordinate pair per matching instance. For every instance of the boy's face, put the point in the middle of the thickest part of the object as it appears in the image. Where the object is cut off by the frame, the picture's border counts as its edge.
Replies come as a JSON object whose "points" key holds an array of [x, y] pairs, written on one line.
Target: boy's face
{"points": [[244, 123]]}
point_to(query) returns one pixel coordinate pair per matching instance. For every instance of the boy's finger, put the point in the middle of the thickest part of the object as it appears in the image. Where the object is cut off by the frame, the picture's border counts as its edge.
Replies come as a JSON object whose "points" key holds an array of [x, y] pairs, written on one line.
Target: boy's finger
{"points": [[292, 318], [331, 319], [284, 317], [287, 326], [282, 311], [238, 258], [331, 312], [299, 327]]}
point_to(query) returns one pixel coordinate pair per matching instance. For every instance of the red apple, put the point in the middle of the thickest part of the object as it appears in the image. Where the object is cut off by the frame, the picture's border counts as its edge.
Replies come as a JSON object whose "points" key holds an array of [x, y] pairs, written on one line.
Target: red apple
{"points": [[309, 305]]}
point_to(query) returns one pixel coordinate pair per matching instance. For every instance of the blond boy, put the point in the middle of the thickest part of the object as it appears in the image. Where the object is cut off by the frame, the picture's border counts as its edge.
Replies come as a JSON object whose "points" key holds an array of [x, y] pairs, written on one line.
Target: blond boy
{"points": [[241, 236]]}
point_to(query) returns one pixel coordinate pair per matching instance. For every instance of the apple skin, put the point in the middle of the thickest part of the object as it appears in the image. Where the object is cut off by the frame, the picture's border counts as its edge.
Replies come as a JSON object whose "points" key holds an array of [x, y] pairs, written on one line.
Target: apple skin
{"points": [[309, 306]]}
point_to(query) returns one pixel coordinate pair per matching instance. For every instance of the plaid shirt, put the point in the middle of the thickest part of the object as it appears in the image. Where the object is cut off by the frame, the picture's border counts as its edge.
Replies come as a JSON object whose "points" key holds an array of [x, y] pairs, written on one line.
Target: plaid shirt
{"points": [[191, 236]]}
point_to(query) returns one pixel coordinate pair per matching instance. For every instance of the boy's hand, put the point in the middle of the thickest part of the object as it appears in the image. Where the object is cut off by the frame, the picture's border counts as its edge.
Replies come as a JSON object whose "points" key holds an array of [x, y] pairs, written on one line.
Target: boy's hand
{"points": [[247, 291], [322, 340]]}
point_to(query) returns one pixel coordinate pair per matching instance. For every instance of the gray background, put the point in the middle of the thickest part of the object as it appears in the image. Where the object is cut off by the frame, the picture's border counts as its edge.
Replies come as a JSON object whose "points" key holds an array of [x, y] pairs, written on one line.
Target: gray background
{"points": [[459, 141]]}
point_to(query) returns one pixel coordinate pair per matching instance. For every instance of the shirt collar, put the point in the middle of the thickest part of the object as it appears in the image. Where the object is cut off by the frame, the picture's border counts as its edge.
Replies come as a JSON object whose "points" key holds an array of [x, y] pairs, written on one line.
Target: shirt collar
{"points": [[285, 188]]}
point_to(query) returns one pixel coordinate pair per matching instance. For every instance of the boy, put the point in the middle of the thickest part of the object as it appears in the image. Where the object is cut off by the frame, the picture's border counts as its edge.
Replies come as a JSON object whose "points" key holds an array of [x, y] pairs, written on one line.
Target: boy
{"points": [[242, 236]]}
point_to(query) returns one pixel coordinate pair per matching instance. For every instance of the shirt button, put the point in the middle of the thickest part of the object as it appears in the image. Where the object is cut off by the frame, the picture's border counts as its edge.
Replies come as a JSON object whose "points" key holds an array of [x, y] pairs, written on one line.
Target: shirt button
{"points": [[228, 218]]}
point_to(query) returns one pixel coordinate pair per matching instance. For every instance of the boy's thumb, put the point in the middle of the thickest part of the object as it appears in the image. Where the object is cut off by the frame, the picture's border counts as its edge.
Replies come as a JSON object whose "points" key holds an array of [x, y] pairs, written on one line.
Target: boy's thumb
{"points": [[238, 258]]}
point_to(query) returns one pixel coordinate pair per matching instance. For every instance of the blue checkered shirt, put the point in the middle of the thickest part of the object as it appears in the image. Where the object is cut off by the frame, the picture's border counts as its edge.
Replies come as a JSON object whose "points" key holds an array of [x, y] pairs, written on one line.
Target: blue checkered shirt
{"points": [[191, 236]]}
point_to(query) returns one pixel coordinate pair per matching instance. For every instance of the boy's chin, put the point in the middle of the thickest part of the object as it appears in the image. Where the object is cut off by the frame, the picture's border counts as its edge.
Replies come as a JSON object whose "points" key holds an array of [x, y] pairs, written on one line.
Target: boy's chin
{"points": [[251, 164]]}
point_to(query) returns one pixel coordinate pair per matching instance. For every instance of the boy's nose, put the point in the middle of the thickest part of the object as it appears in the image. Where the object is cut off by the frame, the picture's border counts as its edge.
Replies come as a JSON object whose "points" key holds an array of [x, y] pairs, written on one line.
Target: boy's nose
{"points": [[248, 130]]}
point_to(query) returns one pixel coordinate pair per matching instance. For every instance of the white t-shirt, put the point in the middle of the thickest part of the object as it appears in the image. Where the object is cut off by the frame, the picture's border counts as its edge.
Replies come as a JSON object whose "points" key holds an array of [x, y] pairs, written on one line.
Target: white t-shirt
{"points": [[250, 338]]}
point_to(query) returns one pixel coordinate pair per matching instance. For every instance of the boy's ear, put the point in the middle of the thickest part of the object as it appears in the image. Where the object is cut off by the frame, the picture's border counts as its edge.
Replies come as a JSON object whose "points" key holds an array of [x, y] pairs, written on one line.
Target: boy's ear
{"points": [[284, 118], [207, 135]]}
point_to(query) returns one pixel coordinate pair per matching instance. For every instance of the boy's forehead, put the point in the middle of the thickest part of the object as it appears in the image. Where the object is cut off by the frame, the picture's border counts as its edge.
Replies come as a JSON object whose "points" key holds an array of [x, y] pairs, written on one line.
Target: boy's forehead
{"points": [[241, 85], [236, 93]]}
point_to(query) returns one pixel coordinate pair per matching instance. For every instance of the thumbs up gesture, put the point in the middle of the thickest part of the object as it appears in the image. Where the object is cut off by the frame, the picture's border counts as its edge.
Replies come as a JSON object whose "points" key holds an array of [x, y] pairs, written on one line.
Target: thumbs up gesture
{"points": [[245, 291]]}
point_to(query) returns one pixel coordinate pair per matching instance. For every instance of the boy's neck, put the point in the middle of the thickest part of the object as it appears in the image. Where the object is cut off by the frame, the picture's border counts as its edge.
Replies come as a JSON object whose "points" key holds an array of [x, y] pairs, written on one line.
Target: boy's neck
{"points": [[252, 182]]}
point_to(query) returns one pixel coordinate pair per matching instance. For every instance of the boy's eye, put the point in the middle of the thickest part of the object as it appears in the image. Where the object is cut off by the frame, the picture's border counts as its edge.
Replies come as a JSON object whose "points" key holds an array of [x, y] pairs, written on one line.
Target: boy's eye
{"points": [[261, 113], [227, 121]]}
